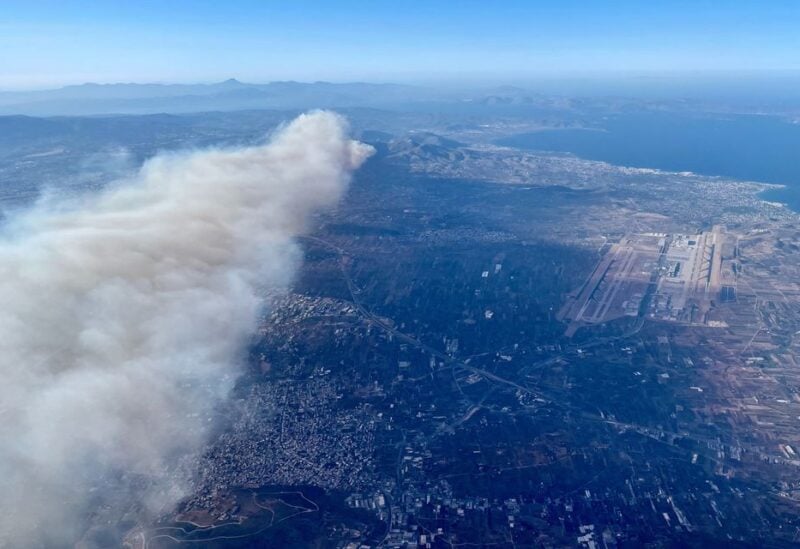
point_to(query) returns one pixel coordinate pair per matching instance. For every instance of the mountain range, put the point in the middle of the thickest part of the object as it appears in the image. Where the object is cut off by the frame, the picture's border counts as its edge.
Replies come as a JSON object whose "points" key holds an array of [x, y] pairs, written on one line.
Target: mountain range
{"points": [[125, 98]]}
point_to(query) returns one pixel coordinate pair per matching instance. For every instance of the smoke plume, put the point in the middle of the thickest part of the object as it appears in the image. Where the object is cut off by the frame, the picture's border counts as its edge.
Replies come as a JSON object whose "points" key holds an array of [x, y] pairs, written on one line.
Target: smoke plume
{"points": [[123, 316]]}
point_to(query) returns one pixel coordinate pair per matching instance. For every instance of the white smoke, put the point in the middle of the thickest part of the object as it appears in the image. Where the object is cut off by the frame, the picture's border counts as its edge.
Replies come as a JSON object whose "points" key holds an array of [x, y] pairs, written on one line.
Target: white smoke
{"points": [[122, 318]]}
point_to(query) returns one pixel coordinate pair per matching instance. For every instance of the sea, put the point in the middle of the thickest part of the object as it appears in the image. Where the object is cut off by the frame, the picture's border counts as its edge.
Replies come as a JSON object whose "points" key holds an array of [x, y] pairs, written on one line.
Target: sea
{"points": [[746, 147]]}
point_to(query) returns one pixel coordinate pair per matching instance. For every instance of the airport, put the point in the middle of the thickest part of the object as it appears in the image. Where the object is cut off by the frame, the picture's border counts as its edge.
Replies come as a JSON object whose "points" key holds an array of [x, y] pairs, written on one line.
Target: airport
{"points": [[671, 277]]}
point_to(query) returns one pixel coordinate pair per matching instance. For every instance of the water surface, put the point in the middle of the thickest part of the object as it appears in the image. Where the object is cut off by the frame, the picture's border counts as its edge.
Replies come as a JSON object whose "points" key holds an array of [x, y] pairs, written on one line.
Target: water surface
{"points": [[746, 147]]}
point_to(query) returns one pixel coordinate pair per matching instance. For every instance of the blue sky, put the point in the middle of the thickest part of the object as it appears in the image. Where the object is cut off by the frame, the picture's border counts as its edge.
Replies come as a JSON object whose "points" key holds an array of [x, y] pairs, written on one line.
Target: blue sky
{"points": [[47, 43]]}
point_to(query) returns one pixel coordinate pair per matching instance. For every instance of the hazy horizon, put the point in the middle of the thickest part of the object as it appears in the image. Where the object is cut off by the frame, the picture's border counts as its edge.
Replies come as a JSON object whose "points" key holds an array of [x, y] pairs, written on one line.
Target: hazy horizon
{"points": [[746, 90]]}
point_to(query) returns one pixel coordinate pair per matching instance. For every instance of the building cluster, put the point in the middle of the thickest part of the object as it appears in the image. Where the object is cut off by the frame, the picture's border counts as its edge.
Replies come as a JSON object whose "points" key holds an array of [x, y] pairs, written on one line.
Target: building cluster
{"points": [[288, 434]]}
